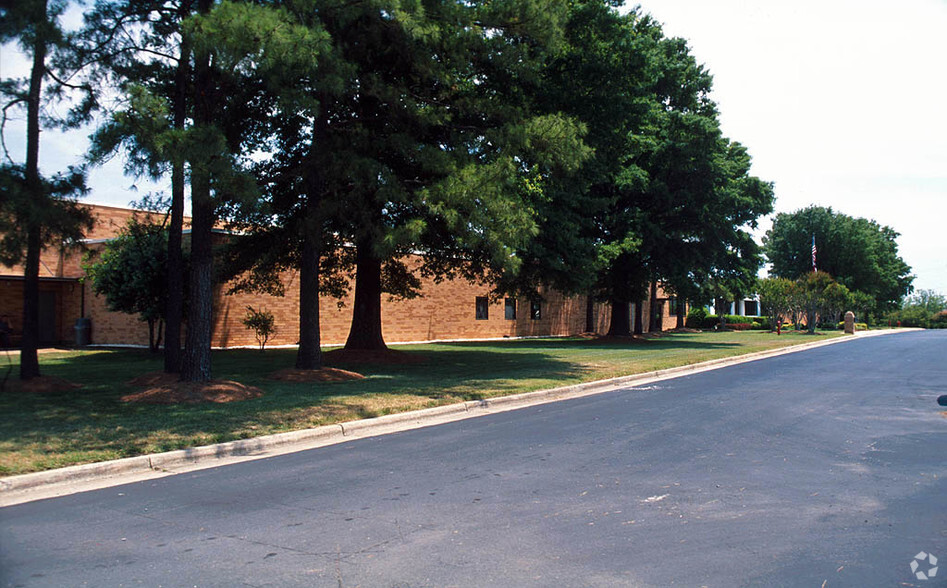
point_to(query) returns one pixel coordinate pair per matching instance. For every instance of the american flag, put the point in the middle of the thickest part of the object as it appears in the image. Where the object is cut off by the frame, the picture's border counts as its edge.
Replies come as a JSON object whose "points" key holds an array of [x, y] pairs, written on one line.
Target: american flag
{"points": [[813, 253]]}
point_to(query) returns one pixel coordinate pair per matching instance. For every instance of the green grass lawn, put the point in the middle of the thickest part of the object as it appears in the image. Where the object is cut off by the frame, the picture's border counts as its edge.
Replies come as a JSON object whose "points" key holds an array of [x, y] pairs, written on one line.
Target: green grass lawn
{"points": [[45, 431]]}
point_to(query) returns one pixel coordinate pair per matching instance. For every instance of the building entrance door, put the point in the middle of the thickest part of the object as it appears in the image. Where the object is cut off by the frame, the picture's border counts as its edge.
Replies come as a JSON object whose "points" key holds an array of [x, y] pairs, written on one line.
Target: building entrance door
{"points": [[47, 317]]}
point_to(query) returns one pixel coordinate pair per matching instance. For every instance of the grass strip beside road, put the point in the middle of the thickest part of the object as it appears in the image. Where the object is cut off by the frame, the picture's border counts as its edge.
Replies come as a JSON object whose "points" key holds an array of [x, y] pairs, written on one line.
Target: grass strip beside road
{"points": [[46, 431]]}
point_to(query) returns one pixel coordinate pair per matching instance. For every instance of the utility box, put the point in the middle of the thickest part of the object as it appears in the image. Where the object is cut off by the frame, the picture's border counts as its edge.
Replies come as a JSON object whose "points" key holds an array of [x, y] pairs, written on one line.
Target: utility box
{"points": [[83, 331]]}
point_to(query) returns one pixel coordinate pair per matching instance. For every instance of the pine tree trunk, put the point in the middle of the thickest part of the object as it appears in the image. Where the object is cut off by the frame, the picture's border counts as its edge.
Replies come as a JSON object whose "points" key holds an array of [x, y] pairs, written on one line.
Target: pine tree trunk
{"points": [[309, 356], [174, 308], [590, 313], [29, 358], [196, 365], [681, 313], [619, 325], [365, 333], [639, 316]]}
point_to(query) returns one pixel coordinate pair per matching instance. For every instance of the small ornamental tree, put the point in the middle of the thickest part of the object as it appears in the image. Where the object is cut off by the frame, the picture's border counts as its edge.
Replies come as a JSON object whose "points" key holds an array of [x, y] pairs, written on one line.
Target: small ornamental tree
{"points": [[775, 297], [811, 291], [130, 274], [262, 323], [836, 300]]}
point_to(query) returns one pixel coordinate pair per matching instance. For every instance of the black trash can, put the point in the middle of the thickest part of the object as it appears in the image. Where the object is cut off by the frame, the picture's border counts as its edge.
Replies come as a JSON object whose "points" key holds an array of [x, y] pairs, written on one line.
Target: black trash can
{"points": [[83, 331]]}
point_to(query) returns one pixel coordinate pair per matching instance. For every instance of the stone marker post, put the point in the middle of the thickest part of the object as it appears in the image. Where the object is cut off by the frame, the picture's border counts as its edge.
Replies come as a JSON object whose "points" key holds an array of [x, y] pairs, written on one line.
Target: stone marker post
{"points": [[850, 323]]}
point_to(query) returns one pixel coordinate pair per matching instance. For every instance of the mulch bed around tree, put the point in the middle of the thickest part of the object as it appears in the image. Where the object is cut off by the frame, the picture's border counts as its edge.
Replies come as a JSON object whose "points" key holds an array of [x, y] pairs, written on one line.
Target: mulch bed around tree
{"points": [[382, 356], [325, 374], [39, 385], [164, 388]]}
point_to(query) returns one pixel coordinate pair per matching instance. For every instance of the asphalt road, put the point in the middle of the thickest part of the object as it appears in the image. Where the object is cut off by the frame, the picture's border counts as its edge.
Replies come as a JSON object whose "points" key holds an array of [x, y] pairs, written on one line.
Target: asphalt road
{"points": [[821, 468]]}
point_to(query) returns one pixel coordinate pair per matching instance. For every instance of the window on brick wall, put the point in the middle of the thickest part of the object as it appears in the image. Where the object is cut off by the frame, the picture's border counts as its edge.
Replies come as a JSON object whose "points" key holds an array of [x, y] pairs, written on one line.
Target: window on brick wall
{"points": [[672, 306], [510, 309], [483, 308], [535, 311]]}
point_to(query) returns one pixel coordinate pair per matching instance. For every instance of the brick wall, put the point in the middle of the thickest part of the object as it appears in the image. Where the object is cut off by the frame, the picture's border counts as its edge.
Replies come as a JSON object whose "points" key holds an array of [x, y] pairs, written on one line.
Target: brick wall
{"points": [[65, 262], [65, 297], [445, 311]]}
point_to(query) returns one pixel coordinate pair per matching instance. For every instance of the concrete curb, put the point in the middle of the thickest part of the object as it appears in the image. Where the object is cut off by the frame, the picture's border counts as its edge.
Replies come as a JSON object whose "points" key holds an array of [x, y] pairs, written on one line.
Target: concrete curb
{"points": [[17, 489]]}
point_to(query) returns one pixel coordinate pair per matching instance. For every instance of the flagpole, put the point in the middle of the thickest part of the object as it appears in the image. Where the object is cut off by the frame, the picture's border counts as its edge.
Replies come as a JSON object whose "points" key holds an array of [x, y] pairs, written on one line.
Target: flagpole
{"points": [[813, 253]]}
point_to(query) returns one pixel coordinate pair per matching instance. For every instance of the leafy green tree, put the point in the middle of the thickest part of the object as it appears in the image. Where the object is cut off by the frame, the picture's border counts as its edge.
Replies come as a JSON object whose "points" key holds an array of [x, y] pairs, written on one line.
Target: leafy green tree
{"points": [[931, 301], [138, 45], [186, 107], [775, 297], [445, 146], [924, 309], [284, 53], [861, 305], [262, 323], [836, 298], [36, 211], [131, 273], [670, 197], [859, 253], [811, 296]]}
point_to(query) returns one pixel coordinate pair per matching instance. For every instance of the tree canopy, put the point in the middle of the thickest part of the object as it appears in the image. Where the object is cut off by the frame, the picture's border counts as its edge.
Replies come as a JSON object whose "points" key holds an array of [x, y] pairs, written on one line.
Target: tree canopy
{"points": [[529, 144], [859, 253], [36, 210]]}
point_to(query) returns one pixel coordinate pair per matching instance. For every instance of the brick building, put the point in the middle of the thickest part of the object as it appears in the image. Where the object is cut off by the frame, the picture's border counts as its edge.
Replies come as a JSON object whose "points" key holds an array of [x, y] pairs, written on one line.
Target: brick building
{"points": [[453, 309]]}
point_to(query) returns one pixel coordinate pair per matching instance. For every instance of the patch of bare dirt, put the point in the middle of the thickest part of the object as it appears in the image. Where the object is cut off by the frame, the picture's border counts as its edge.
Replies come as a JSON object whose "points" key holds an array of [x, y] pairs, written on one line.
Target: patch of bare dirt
{"points": [[383, 356], [163, 388], [39, 385], [326, 374]]}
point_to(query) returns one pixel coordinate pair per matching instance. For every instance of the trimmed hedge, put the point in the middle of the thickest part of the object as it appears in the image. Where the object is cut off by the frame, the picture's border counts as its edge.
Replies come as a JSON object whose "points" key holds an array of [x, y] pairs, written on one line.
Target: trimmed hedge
{"points": [[734, 321]]}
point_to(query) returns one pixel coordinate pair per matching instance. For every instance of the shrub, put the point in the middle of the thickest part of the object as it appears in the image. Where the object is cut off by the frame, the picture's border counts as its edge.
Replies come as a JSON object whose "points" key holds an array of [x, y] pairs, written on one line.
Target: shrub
{"points": [[914, 316], [262, 323], [734, 321], [695, 318]]}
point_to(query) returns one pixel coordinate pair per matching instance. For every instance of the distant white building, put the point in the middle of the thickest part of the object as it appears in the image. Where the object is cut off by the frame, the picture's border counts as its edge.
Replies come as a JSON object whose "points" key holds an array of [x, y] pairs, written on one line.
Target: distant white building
{"points": [[749, 306]]}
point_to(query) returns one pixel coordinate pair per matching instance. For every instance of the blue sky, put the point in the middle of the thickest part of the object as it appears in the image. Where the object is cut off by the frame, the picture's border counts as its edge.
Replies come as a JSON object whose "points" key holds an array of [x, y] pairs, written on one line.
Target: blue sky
{"points": [[841, 104]]}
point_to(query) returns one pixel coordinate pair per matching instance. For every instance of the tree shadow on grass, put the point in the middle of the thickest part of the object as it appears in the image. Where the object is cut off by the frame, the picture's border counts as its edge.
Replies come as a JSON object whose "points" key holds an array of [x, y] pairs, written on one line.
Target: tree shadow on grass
{"points": [[94, 419], [669, 342]]}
